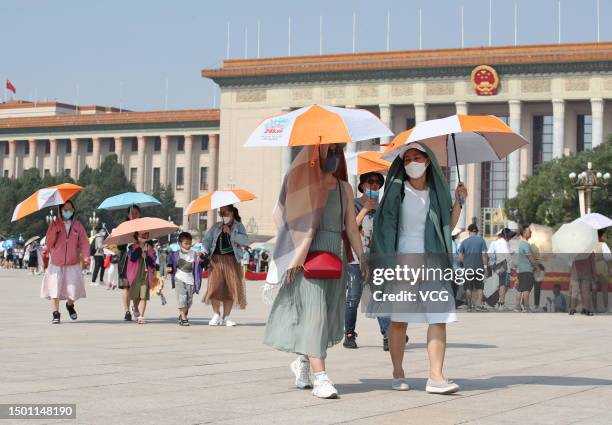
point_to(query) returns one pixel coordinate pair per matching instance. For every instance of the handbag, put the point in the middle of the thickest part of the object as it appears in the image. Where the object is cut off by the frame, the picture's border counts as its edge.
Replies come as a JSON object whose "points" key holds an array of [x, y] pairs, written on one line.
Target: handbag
{"points": [[323, 264]]}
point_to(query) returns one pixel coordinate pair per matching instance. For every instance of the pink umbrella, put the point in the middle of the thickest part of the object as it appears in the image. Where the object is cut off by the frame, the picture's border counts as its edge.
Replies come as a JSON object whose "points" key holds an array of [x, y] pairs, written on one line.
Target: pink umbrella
{"points": [[155, 227]]}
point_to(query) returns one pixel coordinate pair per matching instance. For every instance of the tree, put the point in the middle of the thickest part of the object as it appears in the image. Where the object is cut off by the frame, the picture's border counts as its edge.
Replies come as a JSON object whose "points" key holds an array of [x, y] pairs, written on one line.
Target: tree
{"points": [[98, 185], [548, 197], [165, 195]]}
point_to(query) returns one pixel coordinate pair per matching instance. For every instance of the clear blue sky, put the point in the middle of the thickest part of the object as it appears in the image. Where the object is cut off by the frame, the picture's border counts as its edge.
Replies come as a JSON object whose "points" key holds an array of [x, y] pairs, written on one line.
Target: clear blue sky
{"points": [[50, 47]]}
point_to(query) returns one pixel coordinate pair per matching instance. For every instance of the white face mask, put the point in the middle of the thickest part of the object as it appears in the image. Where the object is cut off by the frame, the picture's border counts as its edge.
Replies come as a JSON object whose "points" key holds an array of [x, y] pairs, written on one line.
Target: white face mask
{"points": [[415, 169], [227, 220]]}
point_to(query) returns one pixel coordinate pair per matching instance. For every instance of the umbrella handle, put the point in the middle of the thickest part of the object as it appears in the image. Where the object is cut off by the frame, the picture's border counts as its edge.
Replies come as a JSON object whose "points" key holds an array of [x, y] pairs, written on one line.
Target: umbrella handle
{"points": [[315, 152], [461, 198]]}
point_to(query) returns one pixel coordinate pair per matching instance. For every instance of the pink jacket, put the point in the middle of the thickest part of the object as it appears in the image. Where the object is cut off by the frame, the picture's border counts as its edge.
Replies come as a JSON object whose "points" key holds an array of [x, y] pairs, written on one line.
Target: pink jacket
{"points": [[65, 249], [132, 266]]}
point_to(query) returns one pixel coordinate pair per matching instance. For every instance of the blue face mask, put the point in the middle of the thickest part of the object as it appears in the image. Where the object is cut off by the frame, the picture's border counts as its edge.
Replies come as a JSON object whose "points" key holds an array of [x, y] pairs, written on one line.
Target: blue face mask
{"points": [[331, 162], [67, 214], [372, 194]]}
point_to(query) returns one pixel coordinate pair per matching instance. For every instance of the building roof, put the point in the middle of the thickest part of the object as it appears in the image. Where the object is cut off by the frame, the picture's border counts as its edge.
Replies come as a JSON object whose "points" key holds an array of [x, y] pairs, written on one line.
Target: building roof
{"points": [[26, 104], [112, 120], [342, 65]]}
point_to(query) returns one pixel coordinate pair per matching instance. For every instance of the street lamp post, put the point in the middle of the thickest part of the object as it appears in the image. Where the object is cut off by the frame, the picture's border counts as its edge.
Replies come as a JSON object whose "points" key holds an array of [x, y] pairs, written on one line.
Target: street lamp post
{"points": [[50, 217], [93, 222], [586, 182]]}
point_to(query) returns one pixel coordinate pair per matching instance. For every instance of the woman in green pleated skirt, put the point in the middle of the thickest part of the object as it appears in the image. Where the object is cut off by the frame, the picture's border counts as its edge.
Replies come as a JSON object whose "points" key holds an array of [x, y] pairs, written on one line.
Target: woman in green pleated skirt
{"points": [[307, 316]]}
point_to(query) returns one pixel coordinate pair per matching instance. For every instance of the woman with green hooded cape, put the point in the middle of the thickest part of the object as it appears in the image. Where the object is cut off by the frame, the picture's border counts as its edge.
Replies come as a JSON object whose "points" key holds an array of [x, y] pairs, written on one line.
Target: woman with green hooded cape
{"points": [[413, 225]]}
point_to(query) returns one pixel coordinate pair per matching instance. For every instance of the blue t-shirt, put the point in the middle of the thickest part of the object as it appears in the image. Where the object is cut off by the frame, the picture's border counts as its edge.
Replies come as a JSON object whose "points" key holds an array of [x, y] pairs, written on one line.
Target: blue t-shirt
{"points": [[522, 264], [472, 249]]}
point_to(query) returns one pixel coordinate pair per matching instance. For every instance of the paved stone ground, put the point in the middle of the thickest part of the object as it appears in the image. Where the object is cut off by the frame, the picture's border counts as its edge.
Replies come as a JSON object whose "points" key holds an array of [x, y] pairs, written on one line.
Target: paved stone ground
{"points": [[513, 368]]}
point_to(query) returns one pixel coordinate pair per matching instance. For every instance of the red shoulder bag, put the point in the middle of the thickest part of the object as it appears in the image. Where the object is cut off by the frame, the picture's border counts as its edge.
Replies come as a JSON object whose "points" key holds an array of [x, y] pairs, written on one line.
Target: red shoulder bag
{"points": [[323, 264]]}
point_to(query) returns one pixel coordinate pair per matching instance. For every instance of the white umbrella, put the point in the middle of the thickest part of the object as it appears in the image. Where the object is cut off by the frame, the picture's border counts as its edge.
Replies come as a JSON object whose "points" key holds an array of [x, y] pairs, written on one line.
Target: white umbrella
{"points": [[595, 220], [317, 124], [574, 239]]}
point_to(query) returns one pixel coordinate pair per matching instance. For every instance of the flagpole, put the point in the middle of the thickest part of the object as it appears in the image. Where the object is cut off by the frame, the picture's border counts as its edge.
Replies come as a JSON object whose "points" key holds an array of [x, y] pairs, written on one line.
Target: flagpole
{"points": [[515, 23], [258, 37], [490, 21], [320, 34], [166, 96], [120, 96], [598, 11], [289, 37], [227, 42], [246, 42], [420, 29], [354, 31], [76, 102], [559, 21], [462, 30], [388, 29]]}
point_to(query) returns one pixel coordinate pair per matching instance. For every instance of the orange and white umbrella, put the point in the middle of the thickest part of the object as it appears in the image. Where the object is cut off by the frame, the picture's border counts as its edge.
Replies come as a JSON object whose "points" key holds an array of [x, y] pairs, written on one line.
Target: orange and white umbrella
{"points": [[218, 199], [460, 139], [317, 124], [366, 162], [47, 197], [155, 227]]}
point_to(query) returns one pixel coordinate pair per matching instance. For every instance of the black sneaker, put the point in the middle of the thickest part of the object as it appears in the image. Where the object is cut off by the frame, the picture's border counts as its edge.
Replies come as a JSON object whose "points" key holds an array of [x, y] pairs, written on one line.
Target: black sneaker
{"points": [[56, 318], [350, 341], [127, 317], [71, 311], [385, 343]]}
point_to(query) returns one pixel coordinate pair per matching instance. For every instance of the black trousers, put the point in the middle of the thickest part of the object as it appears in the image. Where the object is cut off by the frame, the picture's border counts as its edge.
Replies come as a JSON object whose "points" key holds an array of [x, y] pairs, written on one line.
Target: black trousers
{"points": [[98, 267]]}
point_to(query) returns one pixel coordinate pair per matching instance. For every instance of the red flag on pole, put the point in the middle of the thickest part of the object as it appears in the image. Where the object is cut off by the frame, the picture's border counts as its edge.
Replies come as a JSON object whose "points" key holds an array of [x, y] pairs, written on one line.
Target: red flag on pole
{"points": [[11, 87]]}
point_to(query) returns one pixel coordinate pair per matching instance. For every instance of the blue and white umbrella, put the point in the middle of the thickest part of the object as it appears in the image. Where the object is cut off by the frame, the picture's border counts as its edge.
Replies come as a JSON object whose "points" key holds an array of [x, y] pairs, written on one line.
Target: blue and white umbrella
{"points": [[128, 199]]}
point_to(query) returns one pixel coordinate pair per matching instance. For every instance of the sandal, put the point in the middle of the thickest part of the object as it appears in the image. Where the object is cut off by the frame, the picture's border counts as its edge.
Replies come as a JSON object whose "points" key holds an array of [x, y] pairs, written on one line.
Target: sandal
{"points": [[141, 320]]}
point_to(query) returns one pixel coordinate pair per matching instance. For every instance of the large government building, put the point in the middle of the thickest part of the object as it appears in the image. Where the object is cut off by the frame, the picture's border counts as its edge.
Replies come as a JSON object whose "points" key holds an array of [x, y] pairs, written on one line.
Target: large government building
{"points": [[557, 96]]}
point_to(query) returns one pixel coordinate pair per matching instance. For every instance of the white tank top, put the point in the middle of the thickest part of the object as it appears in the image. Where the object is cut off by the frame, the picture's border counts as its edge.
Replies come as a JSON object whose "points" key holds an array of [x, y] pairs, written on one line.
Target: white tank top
{"points": [[412, 220]]}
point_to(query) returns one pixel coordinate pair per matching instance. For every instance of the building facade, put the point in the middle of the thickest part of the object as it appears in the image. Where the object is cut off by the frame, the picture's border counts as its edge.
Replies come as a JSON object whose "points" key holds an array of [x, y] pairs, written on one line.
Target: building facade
{"points": [[178, 148], [556, 96]]}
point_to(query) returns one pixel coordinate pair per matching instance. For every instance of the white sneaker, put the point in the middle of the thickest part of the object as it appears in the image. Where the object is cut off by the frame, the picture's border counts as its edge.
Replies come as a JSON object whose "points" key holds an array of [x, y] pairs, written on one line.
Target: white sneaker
{"points": [[441, 387], [400, 384], [228, 322], [301, 370], [216, 320], [324, 388]]}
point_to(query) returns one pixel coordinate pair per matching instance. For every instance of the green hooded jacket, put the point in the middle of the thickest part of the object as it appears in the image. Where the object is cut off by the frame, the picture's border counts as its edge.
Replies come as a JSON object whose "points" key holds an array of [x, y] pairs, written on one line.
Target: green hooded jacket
{"points": [[437, 225]]}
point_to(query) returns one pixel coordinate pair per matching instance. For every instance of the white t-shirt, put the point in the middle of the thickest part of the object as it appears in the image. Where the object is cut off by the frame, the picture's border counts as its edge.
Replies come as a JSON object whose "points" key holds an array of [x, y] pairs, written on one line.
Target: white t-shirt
{"points": [[67, 225], [499, 250], [186, 261], [412, 221]]}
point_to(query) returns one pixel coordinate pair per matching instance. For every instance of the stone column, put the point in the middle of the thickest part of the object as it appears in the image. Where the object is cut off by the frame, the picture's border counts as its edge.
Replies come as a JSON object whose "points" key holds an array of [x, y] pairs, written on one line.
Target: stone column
{"points": [[461, 108], [188, 167], [597, 117], [32, 154], [140, 173], [558, 127], [119, 152], [386, 118], [12, 166], [213, 163], [74, 158], [53, 156], [420, 112], [189, 176], [163, 171], [96, 152], [514, 159]]}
